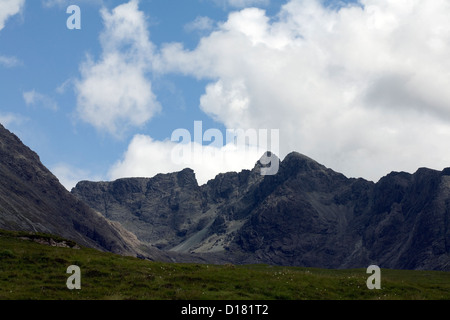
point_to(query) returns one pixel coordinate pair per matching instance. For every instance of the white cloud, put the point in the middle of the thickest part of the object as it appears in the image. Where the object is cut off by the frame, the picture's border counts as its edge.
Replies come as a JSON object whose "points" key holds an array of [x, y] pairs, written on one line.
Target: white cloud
{"points": [[52, 3], [9, 8], [9, 62], [201, 23], [242, 3], [62, 88], [69, 175], [146, 157], [66, 3], [35, 98], [362, 89], [247, 3], [8, 118], [115, 93]]}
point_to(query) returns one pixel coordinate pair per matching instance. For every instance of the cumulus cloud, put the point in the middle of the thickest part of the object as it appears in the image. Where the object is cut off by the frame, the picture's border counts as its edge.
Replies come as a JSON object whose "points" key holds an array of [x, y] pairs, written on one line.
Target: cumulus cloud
{"points": [[114, 93], [362, 88], [69, 175], [9, 8], [147, 157]]}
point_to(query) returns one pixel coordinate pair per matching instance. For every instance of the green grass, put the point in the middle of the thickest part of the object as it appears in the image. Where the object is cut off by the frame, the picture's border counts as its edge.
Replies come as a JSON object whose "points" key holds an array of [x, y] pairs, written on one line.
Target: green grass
{"points": [[29, 270]]}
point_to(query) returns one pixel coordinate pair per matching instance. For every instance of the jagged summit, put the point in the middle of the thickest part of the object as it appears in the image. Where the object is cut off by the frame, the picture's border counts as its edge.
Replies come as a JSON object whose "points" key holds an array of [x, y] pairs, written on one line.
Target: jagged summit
{"points": [[298, 156], [266, 157], [301, 162], [186, 177], [304, 214]]}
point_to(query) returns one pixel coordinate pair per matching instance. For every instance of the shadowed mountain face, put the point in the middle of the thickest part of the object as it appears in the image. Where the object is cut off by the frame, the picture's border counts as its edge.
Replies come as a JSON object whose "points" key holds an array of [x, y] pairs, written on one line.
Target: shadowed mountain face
{"points": [[305, 215], [32, 199]]}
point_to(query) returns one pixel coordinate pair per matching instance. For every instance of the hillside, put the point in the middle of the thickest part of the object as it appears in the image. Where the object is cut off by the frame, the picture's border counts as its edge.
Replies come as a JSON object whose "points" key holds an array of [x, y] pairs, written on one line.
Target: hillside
{"points": [[31, 270], [32, 199]]}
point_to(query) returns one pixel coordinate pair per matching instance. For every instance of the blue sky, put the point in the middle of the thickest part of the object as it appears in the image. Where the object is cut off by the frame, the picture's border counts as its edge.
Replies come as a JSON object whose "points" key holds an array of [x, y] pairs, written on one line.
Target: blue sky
{"points": [[49, 56], [361, 87], [48, 59]]}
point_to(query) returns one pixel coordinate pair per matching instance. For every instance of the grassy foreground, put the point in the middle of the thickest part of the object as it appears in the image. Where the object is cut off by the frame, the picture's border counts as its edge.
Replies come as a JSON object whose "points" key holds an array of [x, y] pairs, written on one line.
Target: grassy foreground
{"points": [[29, 270]]}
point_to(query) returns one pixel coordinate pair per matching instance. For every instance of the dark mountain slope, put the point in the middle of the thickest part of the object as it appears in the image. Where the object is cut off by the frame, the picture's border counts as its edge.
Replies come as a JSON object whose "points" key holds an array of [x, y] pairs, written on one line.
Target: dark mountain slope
{"points": [[306, 215], [317, 217], [409, 225], [32, 199]]}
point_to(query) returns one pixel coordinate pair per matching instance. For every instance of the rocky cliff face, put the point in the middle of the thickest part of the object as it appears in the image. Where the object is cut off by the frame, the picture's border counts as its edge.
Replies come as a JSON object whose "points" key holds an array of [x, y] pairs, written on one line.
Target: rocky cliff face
{"points": [[32, 199], [157, 210], [306, 215]]}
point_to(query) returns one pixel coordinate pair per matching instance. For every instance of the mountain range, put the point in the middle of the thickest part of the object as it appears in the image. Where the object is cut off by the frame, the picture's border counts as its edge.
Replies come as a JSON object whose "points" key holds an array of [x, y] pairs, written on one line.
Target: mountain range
{"points": [[305, 215]]}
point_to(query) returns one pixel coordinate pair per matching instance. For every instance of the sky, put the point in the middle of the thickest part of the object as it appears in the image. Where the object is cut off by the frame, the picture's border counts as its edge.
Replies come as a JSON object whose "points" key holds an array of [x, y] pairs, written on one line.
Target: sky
{"points": [[359, 86]]}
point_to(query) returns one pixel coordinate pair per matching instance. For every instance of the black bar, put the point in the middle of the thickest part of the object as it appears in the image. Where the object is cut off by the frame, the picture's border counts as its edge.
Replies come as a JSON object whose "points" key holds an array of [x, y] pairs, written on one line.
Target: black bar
{"points": [[242, 309]]}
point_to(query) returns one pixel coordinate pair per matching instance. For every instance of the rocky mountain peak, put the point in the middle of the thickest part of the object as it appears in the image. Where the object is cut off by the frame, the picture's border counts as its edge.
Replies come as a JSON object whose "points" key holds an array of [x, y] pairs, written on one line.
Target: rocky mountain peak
{"points": [[306, 214], [186, 178], [266, 160], [295, 161]]}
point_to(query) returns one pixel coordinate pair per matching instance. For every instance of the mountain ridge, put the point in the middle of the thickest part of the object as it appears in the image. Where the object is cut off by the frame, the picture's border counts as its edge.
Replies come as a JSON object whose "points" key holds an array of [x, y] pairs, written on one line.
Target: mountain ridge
{"points": [[305, 215]]}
